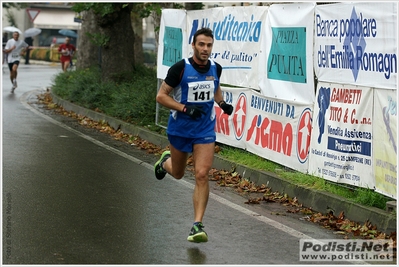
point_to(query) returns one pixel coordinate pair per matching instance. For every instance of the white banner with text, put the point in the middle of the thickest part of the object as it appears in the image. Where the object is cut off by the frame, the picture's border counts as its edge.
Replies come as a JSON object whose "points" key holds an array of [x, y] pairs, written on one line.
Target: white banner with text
{"points": [[277, 130], [356, 43], [341, 143]]}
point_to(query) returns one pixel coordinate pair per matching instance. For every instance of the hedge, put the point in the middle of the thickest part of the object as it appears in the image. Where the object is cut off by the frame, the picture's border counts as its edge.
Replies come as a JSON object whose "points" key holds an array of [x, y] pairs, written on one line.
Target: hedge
{"points": [[44, 53]]}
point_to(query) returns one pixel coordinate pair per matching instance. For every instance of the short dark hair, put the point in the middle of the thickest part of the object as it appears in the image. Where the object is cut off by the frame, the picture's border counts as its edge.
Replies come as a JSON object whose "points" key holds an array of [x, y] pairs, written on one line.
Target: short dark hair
{"points": [[205, 31]]}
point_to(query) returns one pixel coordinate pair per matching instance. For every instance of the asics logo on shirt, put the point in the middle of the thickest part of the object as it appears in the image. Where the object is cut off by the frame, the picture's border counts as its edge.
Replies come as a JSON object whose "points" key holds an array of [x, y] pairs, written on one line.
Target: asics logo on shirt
{"points": [[201, 86]]}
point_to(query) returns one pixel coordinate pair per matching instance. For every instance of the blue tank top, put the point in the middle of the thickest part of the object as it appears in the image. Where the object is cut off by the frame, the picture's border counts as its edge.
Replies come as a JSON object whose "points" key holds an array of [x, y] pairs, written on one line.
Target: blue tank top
{"points": [[195, 89]]}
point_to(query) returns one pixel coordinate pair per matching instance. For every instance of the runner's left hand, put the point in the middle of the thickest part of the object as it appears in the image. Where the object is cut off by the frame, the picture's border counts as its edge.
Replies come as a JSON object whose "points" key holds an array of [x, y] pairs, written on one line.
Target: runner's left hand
{"points": [[227, 108]]}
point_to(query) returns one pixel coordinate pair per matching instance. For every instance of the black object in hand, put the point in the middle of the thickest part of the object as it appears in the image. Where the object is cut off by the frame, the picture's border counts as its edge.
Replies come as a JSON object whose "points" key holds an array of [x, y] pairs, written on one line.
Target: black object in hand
{"points": [[227, 108], [193, 111]]}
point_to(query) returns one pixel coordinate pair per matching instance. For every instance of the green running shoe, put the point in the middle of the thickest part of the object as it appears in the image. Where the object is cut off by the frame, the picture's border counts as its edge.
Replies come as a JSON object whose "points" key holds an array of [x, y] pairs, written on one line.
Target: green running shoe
{"points": [[159, 171], [197, 234]]}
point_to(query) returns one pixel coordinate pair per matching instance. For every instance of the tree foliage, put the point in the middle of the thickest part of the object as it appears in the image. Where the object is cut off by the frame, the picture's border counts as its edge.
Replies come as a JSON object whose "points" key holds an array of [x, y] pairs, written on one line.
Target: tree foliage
{"points": [[194, 6], [106, 12], [8, 5], [9, 15], [147, 9]]}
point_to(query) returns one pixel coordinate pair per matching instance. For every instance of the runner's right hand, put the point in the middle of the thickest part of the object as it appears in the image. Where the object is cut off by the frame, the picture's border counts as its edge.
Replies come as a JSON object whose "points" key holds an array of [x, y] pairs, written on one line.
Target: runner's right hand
{"points": [[193, 111]]}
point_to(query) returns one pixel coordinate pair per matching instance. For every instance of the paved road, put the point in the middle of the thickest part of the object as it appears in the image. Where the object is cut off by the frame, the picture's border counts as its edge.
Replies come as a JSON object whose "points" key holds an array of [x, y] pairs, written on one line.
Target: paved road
{"points": [[75, 196]]}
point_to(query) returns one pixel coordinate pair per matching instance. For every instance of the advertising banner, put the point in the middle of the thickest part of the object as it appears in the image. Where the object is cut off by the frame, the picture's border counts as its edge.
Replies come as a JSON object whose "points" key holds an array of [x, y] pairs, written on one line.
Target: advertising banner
{"points": [[286, 68], [237, 37], [273, 129], [341, 143], [172, 37], [385, 129], [356, 43]]}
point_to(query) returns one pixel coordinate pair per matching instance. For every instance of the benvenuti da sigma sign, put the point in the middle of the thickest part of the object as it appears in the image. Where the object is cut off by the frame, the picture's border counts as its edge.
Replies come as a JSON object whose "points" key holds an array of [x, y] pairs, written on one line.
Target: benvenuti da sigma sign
{"points": [[275, 130]]}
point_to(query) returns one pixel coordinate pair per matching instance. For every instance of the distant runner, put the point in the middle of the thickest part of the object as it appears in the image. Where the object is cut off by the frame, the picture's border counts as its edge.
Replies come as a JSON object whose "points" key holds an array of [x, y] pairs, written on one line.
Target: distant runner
{"points": [[66, 50], [13, 48]]}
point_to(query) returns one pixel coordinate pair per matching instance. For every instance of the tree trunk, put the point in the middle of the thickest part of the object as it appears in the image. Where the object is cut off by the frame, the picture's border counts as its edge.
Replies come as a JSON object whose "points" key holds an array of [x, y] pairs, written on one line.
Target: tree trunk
{"points": [[117, 54], [157, 25], [87, 54], [137, 25]]}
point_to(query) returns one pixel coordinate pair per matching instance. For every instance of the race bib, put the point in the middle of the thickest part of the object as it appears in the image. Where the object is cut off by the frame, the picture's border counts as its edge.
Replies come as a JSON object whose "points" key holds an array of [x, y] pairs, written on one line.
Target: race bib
{"points": [[65, 52], [201, 91]]}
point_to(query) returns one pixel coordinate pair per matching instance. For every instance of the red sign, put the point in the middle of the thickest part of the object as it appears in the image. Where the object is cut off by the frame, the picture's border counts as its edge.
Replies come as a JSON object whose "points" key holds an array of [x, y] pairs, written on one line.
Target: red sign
{"points": [[32, 13]]}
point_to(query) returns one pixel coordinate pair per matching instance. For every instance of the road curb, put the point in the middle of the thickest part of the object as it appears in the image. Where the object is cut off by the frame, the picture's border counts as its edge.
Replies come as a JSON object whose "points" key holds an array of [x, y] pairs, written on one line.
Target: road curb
{"points": [[317, 200]]}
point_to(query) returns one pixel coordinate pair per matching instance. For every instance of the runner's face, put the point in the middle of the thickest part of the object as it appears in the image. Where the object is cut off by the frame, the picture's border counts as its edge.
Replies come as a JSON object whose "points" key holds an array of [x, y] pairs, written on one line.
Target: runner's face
{"points": [[15, 35], [202, 48], [67, 40]]}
